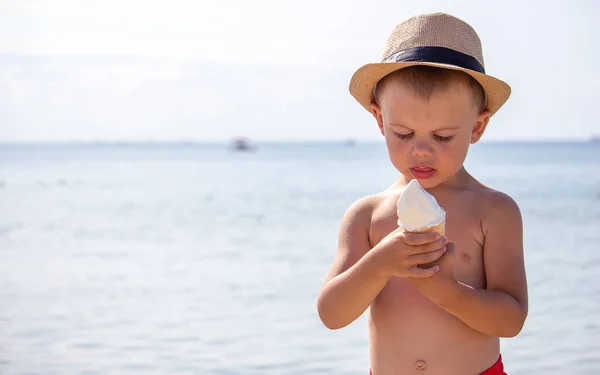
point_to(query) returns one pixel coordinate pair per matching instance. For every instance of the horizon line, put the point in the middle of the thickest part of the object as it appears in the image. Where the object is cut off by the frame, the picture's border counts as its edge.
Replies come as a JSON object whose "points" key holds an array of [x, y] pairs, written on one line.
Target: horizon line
{"points": [[125, 142]]}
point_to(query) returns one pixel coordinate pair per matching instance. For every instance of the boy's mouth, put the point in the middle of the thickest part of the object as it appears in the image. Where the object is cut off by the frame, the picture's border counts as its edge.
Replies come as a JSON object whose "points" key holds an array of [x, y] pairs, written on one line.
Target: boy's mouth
{"points": [[422, 172]]}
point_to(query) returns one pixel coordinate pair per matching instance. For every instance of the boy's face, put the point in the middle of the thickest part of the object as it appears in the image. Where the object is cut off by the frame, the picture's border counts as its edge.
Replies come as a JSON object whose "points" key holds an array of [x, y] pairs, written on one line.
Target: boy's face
{"points": [[428, 139]]}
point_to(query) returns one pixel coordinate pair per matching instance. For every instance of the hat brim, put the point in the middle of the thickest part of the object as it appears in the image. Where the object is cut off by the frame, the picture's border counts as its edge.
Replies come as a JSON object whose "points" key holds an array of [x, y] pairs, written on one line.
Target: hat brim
{"points": [[363, 82]]}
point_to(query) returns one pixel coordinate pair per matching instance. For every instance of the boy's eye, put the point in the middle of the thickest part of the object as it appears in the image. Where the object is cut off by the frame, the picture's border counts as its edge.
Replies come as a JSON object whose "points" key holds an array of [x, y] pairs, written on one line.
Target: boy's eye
{"points": [[442, 138], [438, 138], [403, 136]]}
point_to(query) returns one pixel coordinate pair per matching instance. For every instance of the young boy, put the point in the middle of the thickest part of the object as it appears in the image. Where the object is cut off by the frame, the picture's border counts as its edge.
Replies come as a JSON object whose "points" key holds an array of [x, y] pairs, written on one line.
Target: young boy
{"points": [[437, 304]]}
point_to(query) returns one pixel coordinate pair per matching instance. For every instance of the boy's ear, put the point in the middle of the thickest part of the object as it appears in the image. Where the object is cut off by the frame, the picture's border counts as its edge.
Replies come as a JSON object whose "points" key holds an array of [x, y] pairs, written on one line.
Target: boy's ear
{"points": [[480, 125], [376, 112]]}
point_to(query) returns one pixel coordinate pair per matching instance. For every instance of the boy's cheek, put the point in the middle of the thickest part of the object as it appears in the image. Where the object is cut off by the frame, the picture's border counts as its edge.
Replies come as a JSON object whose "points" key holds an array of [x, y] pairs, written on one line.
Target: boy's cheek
{"points": [[397, 147], [455, 150]]}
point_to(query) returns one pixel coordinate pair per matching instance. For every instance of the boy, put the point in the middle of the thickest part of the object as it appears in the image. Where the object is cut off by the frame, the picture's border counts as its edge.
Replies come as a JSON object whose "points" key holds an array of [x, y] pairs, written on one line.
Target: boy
{"points": [[437, 304]]}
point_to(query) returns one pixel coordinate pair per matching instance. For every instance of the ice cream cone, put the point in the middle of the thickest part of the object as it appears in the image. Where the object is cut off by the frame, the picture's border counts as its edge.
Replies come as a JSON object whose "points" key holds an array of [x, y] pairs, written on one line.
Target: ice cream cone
{"points": [[440, 228]]}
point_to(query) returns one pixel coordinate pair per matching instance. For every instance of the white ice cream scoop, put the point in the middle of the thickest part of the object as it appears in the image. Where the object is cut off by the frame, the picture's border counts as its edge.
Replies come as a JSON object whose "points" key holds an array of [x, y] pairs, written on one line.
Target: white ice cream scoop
{"points": [[419, 211]]}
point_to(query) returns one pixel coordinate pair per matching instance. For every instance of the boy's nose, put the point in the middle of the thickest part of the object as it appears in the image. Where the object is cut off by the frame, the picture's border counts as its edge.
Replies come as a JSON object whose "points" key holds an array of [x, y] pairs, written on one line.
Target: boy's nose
{"points": [[422, 149]]}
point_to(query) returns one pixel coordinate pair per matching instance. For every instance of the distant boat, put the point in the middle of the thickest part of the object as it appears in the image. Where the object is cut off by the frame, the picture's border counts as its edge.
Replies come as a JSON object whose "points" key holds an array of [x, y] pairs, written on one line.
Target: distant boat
{"points": [[241, 144]]}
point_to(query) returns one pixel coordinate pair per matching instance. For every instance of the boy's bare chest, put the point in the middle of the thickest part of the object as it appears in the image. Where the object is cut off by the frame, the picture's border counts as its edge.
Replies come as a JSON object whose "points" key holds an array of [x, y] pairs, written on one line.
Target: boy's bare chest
{"points": [[463, 228]]}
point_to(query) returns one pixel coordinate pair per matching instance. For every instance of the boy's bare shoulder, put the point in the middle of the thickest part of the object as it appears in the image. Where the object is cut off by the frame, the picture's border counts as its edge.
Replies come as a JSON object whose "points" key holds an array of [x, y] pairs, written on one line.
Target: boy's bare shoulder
{"points": [[365, 214], [362, 210], [372, 216], [496, 205], [500, 221]]}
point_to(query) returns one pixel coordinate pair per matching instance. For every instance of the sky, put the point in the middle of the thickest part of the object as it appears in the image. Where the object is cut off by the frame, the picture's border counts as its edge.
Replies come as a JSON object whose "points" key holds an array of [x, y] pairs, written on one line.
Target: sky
{"points": [[184, 70]]}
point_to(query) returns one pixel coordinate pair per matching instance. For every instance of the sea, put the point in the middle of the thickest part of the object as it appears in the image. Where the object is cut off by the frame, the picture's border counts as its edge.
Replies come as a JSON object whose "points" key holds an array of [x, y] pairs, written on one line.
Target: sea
{"points": [[185, 258]]}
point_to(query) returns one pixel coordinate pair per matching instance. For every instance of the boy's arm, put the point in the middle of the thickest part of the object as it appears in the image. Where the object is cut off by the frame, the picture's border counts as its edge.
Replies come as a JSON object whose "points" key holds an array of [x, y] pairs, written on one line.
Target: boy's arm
{"points": [[500, 309], [352, 282]]}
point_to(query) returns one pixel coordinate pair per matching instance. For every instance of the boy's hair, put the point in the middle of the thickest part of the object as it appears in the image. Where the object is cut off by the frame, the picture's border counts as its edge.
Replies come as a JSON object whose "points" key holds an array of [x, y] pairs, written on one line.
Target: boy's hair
{"points": [[424, 80]]}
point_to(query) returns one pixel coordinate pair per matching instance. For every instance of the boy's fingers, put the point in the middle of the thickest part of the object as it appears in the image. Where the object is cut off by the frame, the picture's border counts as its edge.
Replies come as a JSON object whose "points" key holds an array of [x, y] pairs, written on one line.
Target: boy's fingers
{"points": [[428, 247], [426, 257], [423, 272], [415, 239]]}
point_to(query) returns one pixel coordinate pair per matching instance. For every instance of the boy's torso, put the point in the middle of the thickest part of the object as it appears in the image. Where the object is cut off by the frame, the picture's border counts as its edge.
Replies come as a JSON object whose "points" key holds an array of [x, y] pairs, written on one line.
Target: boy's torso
{"points": [[408, 333]]}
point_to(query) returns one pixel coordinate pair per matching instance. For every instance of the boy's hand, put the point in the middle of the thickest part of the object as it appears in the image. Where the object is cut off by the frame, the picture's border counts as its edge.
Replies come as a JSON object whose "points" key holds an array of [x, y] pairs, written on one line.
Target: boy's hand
{"points": [[439, 287], [403, 254]]}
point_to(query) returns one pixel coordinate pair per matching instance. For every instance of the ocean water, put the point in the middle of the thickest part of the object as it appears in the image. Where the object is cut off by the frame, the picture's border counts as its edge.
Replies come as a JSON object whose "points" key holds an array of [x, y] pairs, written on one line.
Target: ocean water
{"points": [[193, 259]]}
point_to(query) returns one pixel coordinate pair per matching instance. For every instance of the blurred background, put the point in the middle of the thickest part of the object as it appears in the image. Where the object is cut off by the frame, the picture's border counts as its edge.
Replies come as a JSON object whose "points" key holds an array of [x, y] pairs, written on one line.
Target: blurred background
{"points": [[173, 175]]}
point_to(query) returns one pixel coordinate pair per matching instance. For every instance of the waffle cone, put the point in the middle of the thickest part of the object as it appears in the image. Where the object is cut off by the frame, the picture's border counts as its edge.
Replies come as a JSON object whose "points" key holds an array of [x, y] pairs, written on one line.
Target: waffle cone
{"points": [[441, 228]]}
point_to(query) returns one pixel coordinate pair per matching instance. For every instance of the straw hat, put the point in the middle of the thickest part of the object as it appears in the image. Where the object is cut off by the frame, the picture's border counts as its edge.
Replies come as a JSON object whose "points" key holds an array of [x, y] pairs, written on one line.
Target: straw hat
{"points": [[434, 39]]}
